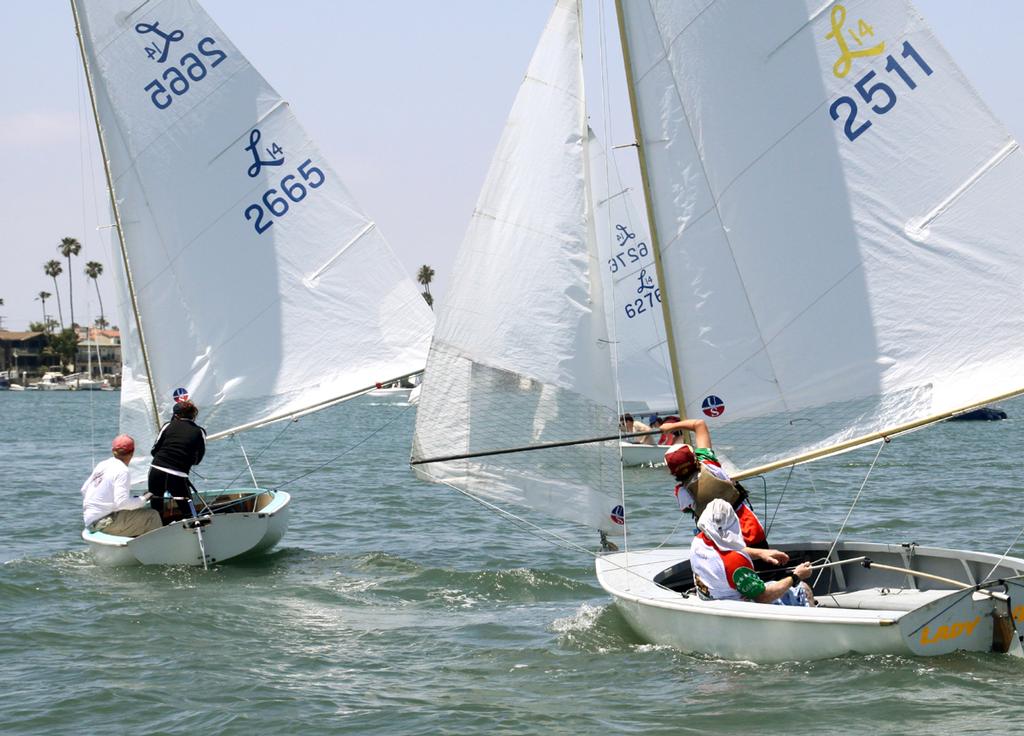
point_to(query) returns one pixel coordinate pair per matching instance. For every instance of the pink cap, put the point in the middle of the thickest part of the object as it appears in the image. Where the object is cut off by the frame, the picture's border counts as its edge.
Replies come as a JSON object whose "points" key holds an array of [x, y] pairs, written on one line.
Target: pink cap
{"points": [[123, 444]]}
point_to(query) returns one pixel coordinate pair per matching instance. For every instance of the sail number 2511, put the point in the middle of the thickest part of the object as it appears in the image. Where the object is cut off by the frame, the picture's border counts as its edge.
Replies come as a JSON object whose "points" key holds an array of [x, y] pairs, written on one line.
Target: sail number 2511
{"points": [[294, 191], [878, 94]]}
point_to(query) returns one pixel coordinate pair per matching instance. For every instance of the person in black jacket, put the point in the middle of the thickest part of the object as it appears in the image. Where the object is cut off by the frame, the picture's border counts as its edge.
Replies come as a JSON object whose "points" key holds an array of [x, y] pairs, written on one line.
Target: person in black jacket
{"points": [[180, 445]]}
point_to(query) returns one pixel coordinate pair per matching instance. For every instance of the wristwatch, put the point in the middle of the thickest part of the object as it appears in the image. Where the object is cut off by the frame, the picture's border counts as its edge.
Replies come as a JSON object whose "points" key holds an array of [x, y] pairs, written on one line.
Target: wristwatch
{"points": [[796, 580]]}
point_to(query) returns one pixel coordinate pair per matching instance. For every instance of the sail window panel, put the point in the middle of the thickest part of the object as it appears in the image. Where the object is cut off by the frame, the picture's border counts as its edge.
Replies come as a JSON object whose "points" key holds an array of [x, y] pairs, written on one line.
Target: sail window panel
{"points": [[468, 407]]}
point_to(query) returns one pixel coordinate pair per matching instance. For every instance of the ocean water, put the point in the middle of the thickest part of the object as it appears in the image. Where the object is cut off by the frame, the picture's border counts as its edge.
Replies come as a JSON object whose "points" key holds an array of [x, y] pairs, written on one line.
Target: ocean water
{"points": [[394, 606]]}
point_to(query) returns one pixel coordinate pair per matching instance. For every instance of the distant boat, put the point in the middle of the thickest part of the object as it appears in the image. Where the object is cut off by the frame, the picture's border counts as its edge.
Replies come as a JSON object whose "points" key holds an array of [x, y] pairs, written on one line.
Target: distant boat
{"points": [[250, 280], [51, 381], [982, 414]]}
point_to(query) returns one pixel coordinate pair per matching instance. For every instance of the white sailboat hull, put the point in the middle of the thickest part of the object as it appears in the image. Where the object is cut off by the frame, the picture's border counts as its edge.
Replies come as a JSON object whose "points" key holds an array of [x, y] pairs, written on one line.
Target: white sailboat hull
{"points": [[398, 394], [868, 612], [225, 536]]}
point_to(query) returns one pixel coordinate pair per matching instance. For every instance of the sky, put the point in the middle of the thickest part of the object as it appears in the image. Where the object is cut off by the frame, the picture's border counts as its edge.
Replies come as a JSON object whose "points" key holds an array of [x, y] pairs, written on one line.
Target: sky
{"points": [[405, 98]]}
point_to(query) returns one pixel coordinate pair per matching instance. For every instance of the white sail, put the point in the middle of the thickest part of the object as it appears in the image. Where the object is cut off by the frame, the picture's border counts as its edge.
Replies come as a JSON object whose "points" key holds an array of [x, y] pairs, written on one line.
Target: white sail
{"points": [[837, 216], [520, 354], [262, 288], [632, 296]]}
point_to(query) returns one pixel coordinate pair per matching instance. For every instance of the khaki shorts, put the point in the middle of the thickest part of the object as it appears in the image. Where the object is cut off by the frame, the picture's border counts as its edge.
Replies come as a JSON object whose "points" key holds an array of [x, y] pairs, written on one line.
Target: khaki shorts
{"points": [[128, 523]]}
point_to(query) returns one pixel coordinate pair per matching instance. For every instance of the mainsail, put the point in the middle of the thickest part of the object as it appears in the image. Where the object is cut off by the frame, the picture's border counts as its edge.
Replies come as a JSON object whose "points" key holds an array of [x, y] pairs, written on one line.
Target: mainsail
{"points": [[259, 285], [837, 220], [520, 354], [632, 296]]}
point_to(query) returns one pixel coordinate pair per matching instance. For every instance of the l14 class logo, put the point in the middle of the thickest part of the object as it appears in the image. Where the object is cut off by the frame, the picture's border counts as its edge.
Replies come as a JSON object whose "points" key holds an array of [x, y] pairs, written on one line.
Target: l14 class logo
{"points": [[713, 406], [618, 515], [180, 394]]}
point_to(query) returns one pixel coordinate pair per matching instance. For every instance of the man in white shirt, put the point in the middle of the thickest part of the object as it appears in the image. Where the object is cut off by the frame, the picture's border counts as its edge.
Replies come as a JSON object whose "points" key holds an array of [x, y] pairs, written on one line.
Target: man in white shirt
{"points": [[107, 503]]}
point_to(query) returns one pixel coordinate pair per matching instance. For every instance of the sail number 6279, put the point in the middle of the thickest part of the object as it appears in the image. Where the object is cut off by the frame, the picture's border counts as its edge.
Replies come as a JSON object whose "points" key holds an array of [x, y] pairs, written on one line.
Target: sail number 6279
{"points": [[294, 191]]}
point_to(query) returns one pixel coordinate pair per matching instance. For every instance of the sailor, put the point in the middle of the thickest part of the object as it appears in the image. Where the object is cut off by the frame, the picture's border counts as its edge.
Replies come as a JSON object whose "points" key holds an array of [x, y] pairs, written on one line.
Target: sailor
{"points": [[107, 503], [700, 478], [180, 445], [630, 425], [722, 570]]}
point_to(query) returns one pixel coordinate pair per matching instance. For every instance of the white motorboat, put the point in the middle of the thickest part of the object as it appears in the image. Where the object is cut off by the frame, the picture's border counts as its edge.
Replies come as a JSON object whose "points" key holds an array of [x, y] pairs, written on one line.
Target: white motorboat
{"points": [[51, 381], [251, 281], [786, 289]]}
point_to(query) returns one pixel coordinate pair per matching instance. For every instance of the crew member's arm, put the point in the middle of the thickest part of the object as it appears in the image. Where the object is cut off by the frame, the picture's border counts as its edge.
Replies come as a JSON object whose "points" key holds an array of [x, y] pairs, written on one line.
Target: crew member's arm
{"points": [[770, 556], [123, 498], [701, 435], [201, 450], [777, 588]]}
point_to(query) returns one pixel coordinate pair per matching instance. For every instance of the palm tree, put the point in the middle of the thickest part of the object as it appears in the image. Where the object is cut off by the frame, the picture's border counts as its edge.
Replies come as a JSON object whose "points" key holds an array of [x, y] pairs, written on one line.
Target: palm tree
{"points": [[94, 269], [53, 270], [43, 296], [425, 275], [70, 247]]}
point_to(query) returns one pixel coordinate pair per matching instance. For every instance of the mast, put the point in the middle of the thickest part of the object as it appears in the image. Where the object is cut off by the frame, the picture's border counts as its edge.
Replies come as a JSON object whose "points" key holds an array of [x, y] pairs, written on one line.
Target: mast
{"points": [[677, 380], [117, 213]]}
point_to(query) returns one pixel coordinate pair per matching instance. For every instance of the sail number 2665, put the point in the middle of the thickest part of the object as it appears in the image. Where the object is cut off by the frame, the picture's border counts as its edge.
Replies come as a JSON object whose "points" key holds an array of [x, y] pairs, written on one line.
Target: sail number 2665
{"points": [[179, 80], [294, 191], [878, 94]]}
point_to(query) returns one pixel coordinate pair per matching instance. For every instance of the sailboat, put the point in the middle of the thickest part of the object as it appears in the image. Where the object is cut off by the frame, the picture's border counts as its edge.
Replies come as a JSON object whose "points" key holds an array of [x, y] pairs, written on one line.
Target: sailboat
{"points": [[821, 183], [251, 281]]}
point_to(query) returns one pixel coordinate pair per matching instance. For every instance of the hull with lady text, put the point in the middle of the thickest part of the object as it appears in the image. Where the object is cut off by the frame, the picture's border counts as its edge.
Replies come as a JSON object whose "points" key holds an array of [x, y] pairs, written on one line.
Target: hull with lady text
{"points": [[865, 610]]}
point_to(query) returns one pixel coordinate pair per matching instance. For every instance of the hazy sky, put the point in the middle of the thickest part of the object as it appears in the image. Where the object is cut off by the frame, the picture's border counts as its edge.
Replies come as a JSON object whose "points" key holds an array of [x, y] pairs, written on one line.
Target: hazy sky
{"points": [[406, 98]]}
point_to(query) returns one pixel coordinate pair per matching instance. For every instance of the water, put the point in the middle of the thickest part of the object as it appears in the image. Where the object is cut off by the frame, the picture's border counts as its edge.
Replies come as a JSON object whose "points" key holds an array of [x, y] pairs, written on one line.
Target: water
{"points": [[395, 606]]}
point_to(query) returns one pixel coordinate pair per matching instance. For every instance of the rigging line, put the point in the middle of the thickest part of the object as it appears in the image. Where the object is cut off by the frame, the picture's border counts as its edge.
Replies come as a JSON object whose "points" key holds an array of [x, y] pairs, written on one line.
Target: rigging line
{"points": [[258, 455], [682, 518], [528, 448], [592, 227], [345, 452], [1005, 554], [853, 505]]}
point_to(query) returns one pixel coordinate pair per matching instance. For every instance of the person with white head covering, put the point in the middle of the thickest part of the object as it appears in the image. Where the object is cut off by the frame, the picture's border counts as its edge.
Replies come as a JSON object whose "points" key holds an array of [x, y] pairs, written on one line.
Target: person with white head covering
{"points": [[722, 569]]}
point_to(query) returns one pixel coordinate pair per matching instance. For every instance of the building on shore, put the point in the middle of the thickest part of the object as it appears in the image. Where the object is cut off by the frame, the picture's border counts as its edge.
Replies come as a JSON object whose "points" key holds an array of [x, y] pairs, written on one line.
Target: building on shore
{"points": [[100, 349], [21, 353]]}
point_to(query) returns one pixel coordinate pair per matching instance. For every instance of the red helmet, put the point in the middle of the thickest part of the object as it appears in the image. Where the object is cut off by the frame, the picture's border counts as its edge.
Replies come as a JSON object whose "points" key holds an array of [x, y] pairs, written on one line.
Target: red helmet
{"points": [[681, 461]]}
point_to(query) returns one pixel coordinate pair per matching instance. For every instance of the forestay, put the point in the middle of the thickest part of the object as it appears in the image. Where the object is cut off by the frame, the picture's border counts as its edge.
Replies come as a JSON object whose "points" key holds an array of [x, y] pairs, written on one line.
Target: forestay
{"points": [[838, 219], [520, 353], [262, 288], [632, 296]]}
